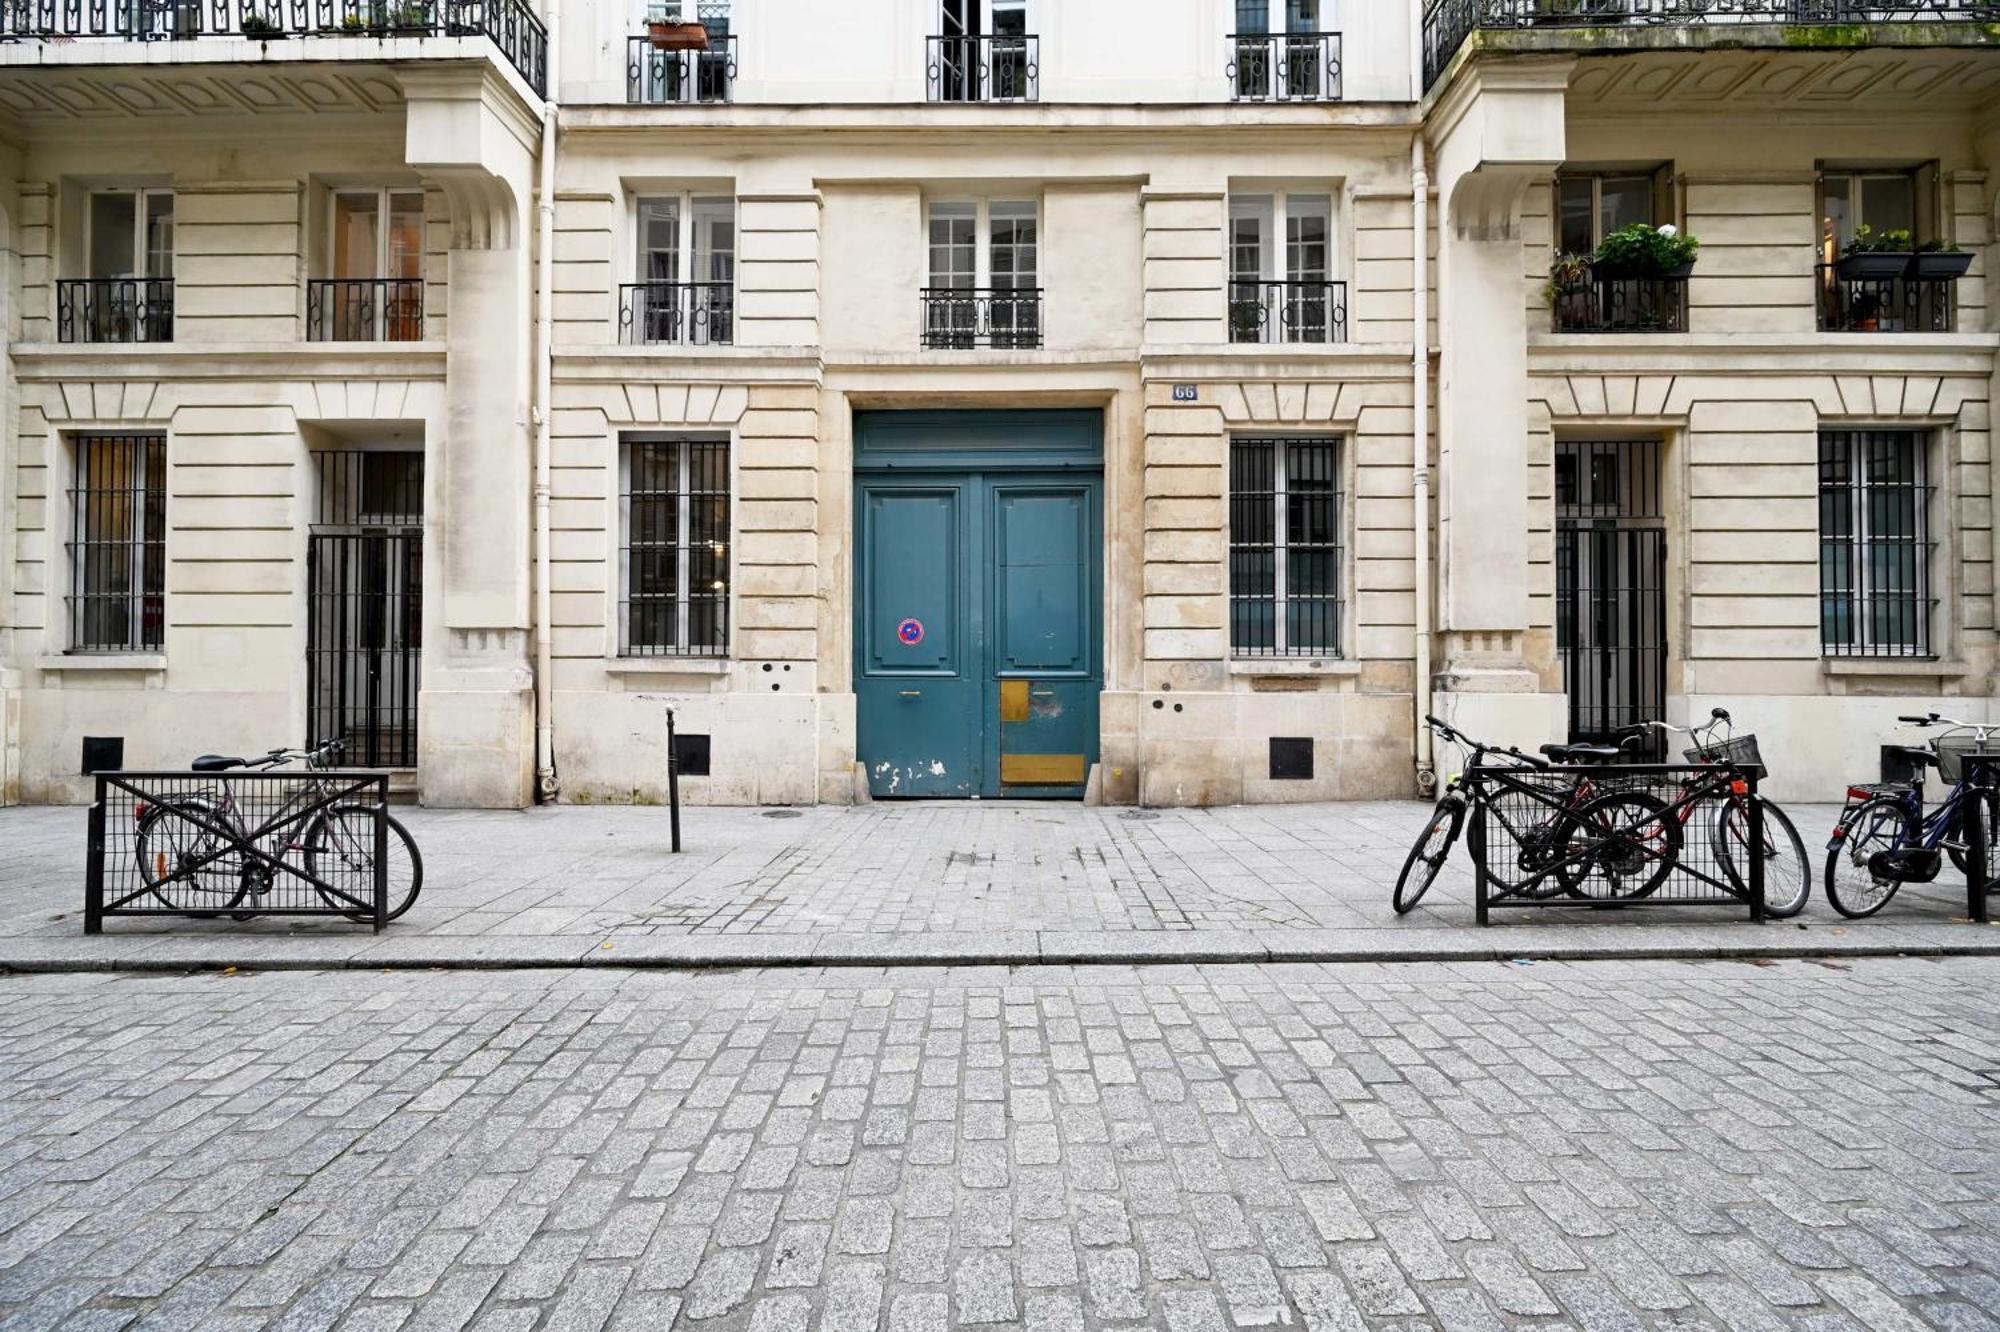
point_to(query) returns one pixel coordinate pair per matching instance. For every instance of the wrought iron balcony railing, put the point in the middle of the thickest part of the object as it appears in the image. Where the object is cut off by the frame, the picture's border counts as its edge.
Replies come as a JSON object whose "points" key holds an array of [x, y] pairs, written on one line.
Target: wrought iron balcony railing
{"points": [[989, 68], [677, 314], [1447, 23], [1004, 318], [1287, 311], [365, 310], [1885, 305], [1288, 67], [654, 77], [1623, 305], [115, 310], [511, 24]]}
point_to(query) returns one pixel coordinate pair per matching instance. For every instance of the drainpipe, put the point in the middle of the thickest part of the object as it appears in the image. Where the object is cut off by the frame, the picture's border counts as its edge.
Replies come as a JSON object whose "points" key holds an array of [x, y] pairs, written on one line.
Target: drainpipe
{"points": [[1420, 452], [545, 289]]}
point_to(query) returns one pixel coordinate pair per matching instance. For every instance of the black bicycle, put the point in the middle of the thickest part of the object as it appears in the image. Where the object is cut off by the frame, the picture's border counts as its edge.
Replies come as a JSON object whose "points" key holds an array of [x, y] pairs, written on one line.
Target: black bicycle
{"points": [[1572, 840], [187, 860]]}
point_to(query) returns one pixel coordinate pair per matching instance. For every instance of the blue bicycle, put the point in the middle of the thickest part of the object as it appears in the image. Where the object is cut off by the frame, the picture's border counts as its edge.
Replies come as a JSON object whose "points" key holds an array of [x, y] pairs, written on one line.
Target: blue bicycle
{"points": [[1885, 837]]}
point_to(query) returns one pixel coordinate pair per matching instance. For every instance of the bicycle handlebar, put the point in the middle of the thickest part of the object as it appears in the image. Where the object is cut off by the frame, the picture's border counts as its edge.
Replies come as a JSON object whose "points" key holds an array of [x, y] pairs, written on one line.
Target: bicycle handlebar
{"points": [[1479, 748]]}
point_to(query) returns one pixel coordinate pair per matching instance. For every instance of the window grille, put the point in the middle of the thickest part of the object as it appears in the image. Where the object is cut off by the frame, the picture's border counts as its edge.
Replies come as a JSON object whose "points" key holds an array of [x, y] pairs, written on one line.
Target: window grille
{"points": [[117, 546], [1286, 558], [1874, 544], [674, 551]]}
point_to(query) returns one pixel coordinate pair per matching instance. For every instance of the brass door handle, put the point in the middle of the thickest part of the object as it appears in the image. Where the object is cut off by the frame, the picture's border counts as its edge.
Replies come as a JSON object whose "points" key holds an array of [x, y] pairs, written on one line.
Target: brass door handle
{"points": [[911, 693]]}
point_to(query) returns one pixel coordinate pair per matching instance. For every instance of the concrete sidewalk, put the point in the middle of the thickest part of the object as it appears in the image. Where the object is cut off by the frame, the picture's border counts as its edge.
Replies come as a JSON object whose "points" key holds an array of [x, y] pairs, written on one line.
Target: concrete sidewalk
{"points": [[926, 883]]}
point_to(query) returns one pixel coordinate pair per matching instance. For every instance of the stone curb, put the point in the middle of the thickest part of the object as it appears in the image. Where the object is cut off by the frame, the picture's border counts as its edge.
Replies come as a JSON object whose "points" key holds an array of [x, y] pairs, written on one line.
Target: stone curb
{"points": [[1573, 943]]}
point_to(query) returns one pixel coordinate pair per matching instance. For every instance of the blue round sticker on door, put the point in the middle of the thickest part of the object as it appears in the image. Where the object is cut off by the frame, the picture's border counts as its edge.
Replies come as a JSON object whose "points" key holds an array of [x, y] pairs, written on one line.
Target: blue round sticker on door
{"points": [[911, 632]]}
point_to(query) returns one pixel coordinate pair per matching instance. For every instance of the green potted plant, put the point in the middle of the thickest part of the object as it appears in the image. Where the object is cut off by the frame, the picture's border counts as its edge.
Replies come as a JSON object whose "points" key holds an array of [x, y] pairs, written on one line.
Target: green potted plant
{"points": [[259, 28], [1936, 263], [1876, 256], [670, 32], [1643, 251], [1567, 272]]}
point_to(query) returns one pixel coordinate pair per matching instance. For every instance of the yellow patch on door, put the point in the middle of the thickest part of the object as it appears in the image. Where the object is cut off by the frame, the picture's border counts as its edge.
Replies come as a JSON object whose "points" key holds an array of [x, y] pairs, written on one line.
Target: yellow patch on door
{"points": [[1013, 701], [1041, 769]]}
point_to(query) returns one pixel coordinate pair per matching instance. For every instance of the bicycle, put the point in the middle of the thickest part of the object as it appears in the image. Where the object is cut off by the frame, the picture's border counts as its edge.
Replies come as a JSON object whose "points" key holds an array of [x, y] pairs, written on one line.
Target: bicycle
{"points": [[1885, 838], [1562, 851], [185, 846], [1729, 836]]}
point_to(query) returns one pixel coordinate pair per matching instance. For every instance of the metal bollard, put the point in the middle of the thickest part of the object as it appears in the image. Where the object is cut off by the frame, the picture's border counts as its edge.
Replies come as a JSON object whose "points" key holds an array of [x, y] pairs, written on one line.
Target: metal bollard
{"points": [[673, 782]]}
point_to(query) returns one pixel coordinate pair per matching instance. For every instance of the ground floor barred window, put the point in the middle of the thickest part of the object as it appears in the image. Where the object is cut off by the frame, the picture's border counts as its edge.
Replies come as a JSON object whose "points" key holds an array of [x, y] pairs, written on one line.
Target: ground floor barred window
{"points": [[673, 552], [1286, 556], [118, 543], [1874, 544]]}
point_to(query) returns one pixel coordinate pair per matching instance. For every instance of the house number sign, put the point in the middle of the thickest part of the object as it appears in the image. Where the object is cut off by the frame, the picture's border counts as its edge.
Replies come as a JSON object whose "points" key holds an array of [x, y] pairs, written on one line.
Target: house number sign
{"points": [[1187, 392]]}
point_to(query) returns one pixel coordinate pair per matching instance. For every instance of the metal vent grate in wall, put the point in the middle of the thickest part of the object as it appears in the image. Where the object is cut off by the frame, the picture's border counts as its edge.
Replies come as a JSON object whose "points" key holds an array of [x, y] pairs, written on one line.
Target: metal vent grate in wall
{"points": [[1291, 758]]}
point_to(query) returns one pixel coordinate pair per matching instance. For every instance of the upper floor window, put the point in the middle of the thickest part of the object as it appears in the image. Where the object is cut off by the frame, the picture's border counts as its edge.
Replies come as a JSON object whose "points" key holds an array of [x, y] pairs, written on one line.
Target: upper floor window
{"points": [[684, 52], [1883, 263], [1281, 263], [984, 51], [685, 292], [985, 284], [1277, 52], [1586, 298], [1590, 205], [117, 543], [128, 295], [1874, 544], [374, 288]]}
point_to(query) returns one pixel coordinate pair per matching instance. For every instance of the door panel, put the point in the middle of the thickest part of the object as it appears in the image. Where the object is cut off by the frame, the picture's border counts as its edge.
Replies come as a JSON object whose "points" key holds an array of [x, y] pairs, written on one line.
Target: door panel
{"points": [[1042, 707], [918, 704]]}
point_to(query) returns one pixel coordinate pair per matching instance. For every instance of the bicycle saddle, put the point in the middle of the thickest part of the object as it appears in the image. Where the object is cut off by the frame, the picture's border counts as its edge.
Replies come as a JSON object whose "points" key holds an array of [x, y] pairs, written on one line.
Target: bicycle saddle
{"points": [[215, 763], [1583, 753], [1914, 753]]}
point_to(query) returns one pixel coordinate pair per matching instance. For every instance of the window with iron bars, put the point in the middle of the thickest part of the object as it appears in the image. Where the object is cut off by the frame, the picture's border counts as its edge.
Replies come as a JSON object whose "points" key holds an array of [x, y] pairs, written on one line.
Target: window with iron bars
{"points": [[1286, 556], [1874, 544], [673, 554], [118, 544]]}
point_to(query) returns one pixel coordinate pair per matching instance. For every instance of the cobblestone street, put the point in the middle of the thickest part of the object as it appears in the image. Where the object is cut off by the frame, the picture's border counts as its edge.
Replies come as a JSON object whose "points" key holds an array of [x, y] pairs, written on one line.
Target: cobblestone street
{"points": [[1596, 1145]]}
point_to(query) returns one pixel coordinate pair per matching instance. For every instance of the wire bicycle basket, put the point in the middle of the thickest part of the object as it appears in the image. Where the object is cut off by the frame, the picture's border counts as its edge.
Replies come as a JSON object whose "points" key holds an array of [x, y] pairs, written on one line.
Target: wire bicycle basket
{"points": [[1956, 747], [1739, 750]]}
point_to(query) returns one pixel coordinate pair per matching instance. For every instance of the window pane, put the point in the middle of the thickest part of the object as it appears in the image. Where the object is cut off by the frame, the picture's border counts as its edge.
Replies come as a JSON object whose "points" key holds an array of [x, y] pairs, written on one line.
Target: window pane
{"points": [[1624, 200], [1836, 197], [117, 543], [159, 234], [1574, 208], [1307, 235], [113, 233], [714, 240], [676, 547], [1014, 244], [1010, 18], [659, 240], [356, 238], [1302, 16], [1249, 229], [1253, 17], [1889, 203], [406, 234], [954, 245]]}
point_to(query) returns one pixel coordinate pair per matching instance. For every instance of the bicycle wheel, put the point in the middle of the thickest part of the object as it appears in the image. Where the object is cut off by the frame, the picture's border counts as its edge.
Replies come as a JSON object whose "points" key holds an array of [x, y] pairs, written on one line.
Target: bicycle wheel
{"points": [[184, 862], [340, 850], [1433, 845], [1787, 874], [1955, 844], [1881, 824], [1619, 847]]}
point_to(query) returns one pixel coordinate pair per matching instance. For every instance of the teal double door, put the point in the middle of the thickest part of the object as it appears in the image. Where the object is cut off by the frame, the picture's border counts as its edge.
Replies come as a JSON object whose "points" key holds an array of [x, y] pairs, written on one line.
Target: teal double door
{"points": [[978, 602]]}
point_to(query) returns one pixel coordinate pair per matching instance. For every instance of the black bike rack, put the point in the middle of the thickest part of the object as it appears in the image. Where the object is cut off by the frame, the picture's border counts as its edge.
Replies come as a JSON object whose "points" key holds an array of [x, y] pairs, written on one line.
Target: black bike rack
{"points": [[1658, 865], [161, 845]]}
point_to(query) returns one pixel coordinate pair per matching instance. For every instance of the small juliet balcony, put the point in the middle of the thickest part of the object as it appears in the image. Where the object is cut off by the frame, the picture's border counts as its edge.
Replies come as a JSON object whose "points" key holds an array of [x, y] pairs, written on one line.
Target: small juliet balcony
{"points": [[1287, 312], [677, 314], [1284, 67], [1901, 303], [667, 77], [511, 25], [1003, 318], [365, 310], [1621, 305], [989, 68], [115, 310]]}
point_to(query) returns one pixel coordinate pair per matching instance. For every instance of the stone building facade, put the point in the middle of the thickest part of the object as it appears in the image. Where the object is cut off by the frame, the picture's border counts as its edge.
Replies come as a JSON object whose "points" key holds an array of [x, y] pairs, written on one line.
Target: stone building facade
{"points": [[983, 397]]}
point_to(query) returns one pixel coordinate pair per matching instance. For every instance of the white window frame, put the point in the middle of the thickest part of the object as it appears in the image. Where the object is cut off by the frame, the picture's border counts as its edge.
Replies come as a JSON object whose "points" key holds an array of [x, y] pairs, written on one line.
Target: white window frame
{"points": [[1862, 642], [982, 235], [142, 212], [684, 201], [1278, 20], [982, 14], [1275, 250], [135, 542], [382, 195], [1281, 542]]}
